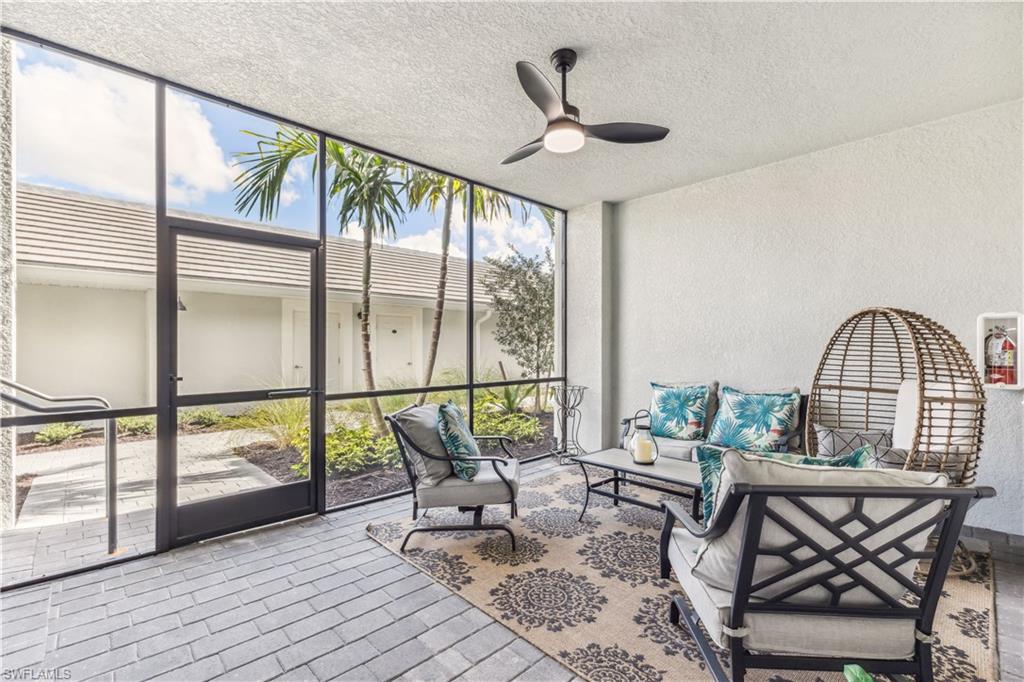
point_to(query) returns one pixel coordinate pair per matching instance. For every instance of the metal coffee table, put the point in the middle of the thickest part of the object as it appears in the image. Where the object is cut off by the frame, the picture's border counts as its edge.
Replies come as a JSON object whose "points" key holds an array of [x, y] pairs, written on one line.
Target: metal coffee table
{"points": [[650, 476]]}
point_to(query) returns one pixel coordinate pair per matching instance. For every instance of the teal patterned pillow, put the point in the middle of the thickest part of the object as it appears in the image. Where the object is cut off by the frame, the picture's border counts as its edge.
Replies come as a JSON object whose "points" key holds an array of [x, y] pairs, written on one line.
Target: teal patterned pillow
{"points": [[679, 411], [754, 421], [709, 458], [458, 440]]}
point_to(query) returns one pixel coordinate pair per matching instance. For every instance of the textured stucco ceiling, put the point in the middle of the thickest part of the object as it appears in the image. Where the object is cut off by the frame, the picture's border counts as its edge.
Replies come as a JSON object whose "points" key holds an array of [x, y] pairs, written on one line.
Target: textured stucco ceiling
{"points": [[740, 85]]}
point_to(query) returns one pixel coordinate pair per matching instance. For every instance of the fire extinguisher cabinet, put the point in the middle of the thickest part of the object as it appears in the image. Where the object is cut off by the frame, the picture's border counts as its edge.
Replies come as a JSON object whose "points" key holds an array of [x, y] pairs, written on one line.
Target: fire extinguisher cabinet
{"points": [[999, 350]]}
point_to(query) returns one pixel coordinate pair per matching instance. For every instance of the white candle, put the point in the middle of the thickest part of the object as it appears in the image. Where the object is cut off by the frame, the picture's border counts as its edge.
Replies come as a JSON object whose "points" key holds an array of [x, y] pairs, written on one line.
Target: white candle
{"points": [[643, 452]]}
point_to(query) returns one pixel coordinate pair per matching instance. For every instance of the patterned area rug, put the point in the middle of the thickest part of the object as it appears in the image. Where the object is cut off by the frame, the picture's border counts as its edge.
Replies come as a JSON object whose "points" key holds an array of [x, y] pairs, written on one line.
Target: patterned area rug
{"points": [[588, 594]]}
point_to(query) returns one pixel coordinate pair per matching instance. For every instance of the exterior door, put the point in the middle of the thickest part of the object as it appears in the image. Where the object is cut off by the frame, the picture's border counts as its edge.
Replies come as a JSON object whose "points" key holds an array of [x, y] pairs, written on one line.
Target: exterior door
{"points": [[243, 426], [394, 357], [300, 350]]}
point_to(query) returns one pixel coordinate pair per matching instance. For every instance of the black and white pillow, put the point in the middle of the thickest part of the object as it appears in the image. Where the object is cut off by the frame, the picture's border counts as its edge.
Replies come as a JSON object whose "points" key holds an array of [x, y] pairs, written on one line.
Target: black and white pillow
{"points": [[838, 442]]}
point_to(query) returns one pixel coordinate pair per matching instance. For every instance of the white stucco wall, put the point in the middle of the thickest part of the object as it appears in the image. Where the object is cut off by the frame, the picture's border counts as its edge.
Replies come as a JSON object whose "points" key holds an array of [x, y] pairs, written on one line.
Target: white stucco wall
{"points": [[83, 340], [591, 334], [229, 343], [743, 278]]}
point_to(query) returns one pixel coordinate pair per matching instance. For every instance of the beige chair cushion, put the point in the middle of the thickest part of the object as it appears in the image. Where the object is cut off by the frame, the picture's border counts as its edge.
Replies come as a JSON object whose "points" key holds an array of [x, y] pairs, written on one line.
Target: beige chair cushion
{"points": [[485, 488], [877, 638], [420, 424], [717, 559], [677, 449]]}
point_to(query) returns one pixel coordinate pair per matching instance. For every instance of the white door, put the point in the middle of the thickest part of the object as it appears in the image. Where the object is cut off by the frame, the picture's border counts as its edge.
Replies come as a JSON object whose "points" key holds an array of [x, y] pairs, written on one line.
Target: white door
{"points": [[393, 358], [300, 350]]}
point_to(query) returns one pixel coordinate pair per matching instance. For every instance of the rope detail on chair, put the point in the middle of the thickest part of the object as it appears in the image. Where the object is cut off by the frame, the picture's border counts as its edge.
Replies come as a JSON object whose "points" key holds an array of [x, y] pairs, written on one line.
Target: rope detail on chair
{"points": [[924, 638], [736, 633]]}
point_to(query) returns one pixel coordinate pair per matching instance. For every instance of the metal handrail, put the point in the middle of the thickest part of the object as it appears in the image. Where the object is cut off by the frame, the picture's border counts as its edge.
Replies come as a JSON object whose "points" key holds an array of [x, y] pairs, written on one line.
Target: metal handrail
{"points": [[109, 438], [21, 402]]}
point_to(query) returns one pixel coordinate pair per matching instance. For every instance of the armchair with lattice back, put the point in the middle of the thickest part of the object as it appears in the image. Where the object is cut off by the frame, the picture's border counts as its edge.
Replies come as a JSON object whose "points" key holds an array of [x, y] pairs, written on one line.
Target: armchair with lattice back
{"points": [[813, 570]]}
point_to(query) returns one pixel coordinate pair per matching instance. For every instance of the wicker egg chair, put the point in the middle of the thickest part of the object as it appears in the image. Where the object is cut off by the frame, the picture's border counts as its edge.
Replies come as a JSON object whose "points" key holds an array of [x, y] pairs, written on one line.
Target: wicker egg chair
{"points": [[886, 368]]}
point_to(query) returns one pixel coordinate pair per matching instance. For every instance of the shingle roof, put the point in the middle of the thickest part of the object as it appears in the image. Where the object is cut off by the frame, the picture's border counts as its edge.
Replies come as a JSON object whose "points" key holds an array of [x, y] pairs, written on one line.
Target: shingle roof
{"points": [[57, 228]]}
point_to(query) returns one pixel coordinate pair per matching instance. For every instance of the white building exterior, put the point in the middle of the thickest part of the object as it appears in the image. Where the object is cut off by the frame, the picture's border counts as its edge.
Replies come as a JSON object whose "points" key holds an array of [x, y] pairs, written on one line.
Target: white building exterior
{"points": [[86, 316]]}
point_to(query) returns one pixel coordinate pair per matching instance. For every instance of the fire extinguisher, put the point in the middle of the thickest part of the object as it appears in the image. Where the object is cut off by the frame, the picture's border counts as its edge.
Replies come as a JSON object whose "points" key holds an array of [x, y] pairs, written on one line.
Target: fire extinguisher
{"points": [[1000, 357]]}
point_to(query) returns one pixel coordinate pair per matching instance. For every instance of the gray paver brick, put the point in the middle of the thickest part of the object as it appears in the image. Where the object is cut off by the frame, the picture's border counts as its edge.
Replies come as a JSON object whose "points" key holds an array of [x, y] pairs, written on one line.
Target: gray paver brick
{"points": [[154, 665], [224, 639], [265, 668], [400, 631], [398, 660], [282, 617], [308, 649], [239, 654], [363, 625], [200, 671], [485, 642], [343, 659], [171, 639]]}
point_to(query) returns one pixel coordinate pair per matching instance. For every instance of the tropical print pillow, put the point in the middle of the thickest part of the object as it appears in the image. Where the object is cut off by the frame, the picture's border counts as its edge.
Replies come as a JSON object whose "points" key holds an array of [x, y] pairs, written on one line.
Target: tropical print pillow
{"points": [[679, 411], [754, 421], [709, 459], [458, 440]]}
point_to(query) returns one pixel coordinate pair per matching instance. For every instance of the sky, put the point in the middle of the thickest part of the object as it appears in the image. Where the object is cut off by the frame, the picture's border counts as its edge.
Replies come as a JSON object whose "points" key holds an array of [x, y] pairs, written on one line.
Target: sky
{"points": [[108, 118]]}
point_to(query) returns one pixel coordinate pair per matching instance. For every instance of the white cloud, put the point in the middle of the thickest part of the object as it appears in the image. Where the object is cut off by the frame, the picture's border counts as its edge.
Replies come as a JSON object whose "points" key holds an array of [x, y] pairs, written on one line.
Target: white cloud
{"points": [[84, 125], [296, 174], [496, 237], [430, 241]]}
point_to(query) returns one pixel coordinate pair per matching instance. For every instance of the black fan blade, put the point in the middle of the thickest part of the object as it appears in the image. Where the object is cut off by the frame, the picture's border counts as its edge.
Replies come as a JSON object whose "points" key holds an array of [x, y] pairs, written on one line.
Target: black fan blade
{"points": [[540, 90], [526, 150], [626, 133]]}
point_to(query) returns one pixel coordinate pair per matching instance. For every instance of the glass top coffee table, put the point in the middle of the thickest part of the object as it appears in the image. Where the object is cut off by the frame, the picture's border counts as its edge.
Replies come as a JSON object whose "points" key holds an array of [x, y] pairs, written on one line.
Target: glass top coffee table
{"points": [[668, 471]]}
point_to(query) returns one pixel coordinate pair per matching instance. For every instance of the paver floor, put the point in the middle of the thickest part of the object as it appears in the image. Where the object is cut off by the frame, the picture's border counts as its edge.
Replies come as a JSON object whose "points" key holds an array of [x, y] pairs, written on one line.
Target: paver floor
{"points": [[62, 524], [310, 600]]}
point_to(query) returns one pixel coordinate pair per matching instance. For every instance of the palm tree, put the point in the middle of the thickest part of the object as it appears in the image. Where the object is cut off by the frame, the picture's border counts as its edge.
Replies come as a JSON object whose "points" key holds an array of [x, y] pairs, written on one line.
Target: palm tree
{"points": [[367, 184], [429, 189]]}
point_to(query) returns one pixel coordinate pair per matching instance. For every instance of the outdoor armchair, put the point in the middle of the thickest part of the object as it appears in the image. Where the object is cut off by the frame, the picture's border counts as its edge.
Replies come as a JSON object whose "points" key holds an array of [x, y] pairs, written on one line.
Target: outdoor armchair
{"points": [[433, 482], [814, 577]]}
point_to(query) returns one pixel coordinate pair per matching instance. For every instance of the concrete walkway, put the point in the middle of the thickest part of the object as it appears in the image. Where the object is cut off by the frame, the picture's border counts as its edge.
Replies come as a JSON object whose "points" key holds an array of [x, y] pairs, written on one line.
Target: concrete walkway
{"points": [[62, 524]]}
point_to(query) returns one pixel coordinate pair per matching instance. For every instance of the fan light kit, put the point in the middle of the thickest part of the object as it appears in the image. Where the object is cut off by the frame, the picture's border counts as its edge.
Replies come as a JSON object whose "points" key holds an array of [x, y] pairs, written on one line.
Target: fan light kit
{"points": [[564, 132]]}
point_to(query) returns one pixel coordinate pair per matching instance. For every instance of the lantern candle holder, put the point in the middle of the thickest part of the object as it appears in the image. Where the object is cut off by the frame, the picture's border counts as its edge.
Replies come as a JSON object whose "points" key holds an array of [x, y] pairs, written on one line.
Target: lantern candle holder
{"points": [[643, 447]]}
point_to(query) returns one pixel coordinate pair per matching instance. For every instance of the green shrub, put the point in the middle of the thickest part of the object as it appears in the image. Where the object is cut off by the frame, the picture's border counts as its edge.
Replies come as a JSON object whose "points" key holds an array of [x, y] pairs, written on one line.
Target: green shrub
{"points": [[520, 427], [286, 422], [136, 426], [351, 451], [201, 417], [55, 434]]}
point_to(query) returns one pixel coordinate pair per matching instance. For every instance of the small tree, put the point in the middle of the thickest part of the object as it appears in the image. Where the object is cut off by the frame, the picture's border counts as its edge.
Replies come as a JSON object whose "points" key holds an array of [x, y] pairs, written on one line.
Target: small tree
{"points": [[522, 290]]}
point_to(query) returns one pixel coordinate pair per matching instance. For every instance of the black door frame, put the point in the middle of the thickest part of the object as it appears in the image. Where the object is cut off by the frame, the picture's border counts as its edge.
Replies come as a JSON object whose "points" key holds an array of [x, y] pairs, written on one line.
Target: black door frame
{"points": [[176, 524], [221, 515]]}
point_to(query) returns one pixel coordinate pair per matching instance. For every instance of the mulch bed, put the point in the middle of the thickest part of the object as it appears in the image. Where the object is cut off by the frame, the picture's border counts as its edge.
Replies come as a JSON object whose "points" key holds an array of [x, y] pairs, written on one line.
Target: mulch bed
{"points": [[27, 445]]}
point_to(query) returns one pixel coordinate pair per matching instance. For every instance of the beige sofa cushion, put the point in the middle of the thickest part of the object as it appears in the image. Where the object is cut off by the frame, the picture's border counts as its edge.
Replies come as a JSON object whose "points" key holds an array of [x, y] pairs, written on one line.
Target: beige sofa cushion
{"points": [[677, 449], [485, 488], [717, 559], [876, 638]]}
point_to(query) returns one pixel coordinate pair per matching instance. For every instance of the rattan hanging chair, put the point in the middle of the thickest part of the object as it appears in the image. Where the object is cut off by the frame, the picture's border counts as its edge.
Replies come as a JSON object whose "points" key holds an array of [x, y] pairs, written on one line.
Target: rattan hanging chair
{"points": [[886, 368]]}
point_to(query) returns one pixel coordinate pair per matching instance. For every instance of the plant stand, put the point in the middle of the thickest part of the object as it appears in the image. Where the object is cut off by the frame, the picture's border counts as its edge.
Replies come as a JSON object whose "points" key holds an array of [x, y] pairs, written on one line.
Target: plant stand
{"points": [[568, 399]]}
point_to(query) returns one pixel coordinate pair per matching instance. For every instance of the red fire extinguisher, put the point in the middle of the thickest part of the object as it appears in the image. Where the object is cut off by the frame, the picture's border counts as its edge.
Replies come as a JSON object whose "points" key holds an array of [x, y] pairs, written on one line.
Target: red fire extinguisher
{"points": [[1000, 357]]}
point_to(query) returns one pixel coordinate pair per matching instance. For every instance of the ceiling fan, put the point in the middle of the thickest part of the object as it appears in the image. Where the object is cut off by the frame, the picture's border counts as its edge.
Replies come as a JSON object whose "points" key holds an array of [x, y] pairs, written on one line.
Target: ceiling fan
{"points": [[564, 132]]}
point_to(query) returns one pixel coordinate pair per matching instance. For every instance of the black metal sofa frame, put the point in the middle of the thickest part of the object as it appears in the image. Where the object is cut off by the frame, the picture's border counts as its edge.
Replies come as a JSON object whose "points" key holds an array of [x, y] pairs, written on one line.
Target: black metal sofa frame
{"points": [[946, 525]]}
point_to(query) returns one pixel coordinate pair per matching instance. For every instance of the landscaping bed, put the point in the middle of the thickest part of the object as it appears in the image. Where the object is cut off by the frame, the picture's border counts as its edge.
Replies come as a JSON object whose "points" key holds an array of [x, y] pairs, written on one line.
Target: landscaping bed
{"points": [[285, 465]]}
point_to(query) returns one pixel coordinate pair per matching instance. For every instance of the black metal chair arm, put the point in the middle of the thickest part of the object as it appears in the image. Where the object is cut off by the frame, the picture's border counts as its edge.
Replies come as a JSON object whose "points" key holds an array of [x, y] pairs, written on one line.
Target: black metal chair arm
{"points": [[503, 441]]}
